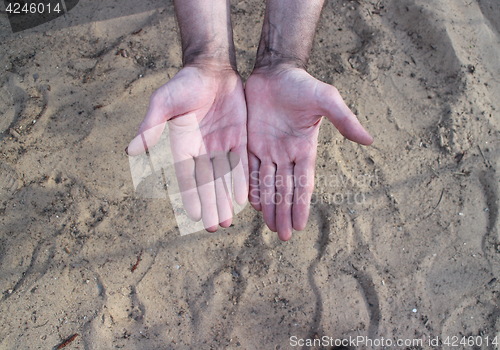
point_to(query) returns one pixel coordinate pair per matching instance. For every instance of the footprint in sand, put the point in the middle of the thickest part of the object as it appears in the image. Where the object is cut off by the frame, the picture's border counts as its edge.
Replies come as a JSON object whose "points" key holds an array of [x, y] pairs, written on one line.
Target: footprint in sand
{"points": [[11, 97], [9, 181]]}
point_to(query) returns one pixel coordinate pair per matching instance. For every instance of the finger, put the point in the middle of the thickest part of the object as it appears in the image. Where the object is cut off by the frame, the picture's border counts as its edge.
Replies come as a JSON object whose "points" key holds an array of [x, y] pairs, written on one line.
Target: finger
{"points": [[335, 109], [165, 103], [267, 173], [284, 199], [206, 191], [304, 186], [185, 174], [223, 190], [254, 194], [239, 167], [145, 139]]}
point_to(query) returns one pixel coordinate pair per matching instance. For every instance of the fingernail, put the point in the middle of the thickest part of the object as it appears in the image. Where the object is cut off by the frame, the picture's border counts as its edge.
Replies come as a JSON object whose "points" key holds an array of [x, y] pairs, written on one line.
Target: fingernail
{"points": [[126, 151]]}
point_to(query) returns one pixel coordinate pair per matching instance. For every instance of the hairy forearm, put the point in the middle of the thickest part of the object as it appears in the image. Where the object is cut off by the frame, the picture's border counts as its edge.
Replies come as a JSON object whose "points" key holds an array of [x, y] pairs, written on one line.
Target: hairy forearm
{"points": [[288, 32], [206, 32]]}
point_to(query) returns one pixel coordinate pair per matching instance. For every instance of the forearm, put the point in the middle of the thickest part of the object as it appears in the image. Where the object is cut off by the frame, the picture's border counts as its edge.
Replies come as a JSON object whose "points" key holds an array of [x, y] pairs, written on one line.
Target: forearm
{"points": [[288, 32], [206, 32]]}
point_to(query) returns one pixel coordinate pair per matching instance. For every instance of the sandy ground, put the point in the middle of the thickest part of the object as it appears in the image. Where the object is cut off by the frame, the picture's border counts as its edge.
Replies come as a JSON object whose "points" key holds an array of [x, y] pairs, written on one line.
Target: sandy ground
{"points": [[403, 239]]}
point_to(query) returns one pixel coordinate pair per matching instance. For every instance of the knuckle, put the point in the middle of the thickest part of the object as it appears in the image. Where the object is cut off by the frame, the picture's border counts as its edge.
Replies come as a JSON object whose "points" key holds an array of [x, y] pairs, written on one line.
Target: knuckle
{"points": [[159, 95], [154, 100], [334, 92]]}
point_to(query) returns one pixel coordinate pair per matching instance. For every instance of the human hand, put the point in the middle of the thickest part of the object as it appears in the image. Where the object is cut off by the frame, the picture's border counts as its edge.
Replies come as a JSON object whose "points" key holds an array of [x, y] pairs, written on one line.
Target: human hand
{"points": [[285, 107], [204, 107]]}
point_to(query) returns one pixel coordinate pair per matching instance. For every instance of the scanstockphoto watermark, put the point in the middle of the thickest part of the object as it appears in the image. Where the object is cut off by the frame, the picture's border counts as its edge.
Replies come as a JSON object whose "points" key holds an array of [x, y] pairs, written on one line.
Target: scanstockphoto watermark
{"points": [[164, 171], [362, 181], [355, 342], [321, 180], [161, 169], [337, 189], [456, 341]]}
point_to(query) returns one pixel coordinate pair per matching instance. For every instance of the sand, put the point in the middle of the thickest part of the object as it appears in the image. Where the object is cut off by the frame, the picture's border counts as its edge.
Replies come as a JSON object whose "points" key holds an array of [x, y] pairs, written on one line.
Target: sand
{"points": [[403, 239]]}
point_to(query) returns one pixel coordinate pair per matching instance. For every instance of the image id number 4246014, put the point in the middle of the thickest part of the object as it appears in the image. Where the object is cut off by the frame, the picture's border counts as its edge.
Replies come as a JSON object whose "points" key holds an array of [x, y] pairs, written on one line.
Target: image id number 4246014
{"points": [[465, 341], [20, 8]]}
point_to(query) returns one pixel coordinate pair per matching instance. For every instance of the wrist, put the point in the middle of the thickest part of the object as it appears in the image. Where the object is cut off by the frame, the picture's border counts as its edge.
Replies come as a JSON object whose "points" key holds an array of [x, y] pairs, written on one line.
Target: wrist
{"points": [[216, 58], [272, 59], [277, 64], [213, 68], [214, 71]]}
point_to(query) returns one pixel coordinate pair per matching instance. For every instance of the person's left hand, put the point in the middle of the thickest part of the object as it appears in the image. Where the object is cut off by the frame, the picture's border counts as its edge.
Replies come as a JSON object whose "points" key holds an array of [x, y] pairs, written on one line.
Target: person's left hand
{"points": [[285, 105]]}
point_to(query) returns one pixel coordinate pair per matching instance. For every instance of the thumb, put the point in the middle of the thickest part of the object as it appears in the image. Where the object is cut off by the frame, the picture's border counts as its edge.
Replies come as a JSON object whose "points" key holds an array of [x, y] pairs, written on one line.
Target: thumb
{"points": [[161, 108], [334, 108]]}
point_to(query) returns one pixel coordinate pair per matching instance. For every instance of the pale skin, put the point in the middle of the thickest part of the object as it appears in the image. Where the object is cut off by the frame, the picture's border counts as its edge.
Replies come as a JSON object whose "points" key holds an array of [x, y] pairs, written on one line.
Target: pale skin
{"points": [[204, 108], [284, 103]]}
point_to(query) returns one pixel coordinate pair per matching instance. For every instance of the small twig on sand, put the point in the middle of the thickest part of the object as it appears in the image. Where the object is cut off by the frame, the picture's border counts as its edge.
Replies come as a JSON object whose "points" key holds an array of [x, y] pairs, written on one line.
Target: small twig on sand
{"points": [[139, 258], [486, 162], [67, 342], [435, 207], [439, 201]]}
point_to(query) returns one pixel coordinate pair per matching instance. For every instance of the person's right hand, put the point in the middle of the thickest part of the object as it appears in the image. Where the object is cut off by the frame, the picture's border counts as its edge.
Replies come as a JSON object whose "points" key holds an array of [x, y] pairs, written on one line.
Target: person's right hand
{"points": [[204, 107]]}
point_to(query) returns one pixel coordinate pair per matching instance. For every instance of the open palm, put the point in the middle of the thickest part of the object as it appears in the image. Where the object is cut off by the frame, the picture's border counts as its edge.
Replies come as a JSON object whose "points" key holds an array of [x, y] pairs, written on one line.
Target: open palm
{"points": [[285, 108], [205, 111]]}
